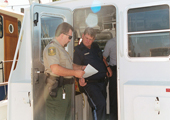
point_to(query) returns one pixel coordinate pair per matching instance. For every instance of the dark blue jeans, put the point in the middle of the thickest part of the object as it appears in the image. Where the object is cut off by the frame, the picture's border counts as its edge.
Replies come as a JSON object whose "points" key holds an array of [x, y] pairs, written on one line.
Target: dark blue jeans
{"points": [[97, 92]]}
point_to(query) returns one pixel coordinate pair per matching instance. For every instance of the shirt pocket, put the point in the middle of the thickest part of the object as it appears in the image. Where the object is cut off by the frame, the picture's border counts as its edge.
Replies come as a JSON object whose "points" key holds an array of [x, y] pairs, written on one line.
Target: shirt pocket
{"points": [[88, 58], [63, 61]]}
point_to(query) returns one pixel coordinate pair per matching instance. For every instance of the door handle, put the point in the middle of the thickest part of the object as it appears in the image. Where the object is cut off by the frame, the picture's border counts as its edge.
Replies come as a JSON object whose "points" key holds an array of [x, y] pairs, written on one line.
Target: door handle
{"points": [[36, 76], [38, 72]]}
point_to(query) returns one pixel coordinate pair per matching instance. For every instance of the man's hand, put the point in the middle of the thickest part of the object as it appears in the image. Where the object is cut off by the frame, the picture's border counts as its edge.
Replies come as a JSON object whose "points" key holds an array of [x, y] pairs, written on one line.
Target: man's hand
{"points": [[82, 82], [78, 67], [83, 67], [79, 73], [109, 73]]}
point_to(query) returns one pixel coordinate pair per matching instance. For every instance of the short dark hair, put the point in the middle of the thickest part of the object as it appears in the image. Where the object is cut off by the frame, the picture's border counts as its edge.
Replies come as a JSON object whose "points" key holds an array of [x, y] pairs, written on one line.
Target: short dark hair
{"points": [[63, 28], [90, 31]]}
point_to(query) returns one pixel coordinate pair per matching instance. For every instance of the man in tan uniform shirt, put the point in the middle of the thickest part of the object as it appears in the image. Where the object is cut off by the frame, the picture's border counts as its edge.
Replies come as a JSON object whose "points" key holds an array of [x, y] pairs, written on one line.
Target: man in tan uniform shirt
{"points": [[58, 62]]}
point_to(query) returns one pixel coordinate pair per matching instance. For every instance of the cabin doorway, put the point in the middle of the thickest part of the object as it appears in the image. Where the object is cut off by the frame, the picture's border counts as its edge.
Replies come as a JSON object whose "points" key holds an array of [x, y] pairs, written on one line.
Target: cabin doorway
{"points": [[103, 20]]}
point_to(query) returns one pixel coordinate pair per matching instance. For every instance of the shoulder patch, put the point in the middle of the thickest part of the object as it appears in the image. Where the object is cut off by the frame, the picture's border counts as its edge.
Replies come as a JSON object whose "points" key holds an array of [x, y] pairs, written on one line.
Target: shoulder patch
{"points": [[51, 51]]}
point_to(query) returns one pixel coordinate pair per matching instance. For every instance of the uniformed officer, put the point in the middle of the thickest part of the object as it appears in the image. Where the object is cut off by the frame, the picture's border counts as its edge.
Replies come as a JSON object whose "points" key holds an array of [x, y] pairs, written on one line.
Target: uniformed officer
{"points": [[89, 52], [110, 50], [60, 70]]}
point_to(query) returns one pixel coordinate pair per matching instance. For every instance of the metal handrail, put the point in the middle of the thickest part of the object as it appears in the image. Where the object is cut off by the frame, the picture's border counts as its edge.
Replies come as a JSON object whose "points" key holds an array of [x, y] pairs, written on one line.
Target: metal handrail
{"points": [[7, 61], [4, 83], [3, 80], [2, 68]]}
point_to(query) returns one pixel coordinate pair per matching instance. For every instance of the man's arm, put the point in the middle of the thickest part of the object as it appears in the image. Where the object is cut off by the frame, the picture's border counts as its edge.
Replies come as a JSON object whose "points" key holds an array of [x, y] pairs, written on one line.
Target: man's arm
{"points": [[78, 67], [106, 51], [109, 74], [82, 82], [77, 64], [61, 71]]}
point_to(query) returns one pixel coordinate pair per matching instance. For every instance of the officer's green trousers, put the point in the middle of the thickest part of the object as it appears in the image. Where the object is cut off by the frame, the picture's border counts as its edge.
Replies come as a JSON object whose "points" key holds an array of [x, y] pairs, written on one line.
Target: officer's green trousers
{"points": [[58, 108]]}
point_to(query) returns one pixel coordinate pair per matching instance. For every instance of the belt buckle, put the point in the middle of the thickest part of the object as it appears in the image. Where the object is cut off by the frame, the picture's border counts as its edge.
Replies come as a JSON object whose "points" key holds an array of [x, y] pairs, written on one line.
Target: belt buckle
{"points": [[86, 80]]}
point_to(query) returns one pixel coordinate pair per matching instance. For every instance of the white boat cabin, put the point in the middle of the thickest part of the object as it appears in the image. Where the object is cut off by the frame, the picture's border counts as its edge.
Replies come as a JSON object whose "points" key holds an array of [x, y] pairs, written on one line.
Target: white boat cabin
{"points": [[142, 31]]}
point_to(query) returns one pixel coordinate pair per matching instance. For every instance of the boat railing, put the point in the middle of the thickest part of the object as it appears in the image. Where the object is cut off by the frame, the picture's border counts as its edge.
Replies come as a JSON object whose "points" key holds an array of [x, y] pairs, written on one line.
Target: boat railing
{"points": [[2, 68], [3, 83]]}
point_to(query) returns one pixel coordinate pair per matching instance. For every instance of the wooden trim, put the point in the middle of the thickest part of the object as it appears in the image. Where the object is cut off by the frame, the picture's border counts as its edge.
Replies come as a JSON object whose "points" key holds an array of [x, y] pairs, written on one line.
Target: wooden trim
{"points": [[10, 43]]}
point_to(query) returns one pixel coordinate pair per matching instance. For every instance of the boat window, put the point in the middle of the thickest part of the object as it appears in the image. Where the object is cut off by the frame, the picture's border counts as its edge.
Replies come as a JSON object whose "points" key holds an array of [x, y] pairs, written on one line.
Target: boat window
{"points": [[19, 26], [149, 45], [1, 27], [154, 43], [148, 18], [49, 25], [11, 28]]}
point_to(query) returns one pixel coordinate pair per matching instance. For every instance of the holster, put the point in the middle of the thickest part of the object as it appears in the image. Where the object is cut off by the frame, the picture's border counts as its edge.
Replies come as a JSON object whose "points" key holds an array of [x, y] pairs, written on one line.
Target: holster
{"points": [[54, 83]]}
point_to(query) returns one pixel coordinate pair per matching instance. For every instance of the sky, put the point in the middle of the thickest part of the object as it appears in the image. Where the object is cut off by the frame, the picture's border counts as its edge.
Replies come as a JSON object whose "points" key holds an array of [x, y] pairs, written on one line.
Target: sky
{"points": [[15, 2], [22, 2], [16, 5], [18, 2]]}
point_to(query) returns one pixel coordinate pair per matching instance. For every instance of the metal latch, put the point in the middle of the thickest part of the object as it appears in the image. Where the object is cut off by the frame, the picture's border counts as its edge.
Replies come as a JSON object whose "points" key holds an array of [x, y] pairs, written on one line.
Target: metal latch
{"points": [[29, 97], [157, 105]]}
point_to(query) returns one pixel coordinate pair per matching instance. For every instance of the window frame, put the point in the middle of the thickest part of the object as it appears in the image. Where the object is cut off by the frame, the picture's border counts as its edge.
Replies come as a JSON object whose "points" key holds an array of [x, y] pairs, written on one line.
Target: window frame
{"points": [[2, 26], [126, 34], [40, 40]]}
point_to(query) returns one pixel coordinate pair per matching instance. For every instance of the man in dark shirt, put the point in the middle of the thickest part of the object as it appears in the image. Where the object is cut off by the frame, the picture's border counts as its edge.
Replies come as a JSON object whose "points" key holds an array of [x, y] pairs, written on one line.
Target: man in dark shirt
{"points": [[89, 52]]}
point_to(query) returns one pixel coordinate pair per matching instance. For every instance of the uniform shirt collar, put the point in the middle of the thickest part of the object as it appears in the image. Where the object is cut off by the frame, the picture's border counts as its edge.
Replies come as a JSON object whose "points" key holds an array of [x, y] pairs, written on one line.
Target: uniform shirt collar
{"points": [[83, 46], [55, 41]]}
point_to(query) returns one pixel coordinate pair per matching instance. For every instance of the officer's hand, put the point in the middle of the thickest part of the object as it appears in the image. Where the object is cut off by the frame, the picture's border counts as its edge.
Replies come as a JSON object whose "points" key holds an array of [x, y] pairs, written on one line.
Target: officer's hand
{"points": [[79, 73], [83, 67], [82, 82], [109, 73]]}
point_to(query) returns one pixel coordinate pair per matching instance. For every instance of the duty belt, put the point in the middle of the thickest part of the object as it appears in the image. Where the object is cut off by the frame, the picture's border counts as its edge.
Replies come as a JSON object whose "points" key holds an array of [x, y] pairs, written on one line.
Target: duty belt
{"points": [[62, 81], [95, 80]]}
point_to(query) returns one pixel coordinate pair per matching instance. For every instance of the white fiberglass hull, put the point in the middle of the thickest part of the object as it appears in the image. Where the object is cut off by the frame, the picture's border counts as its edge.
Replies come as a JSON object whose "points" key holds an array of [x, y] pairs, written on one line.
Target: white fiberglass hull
{"points": [[3, 109]]}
